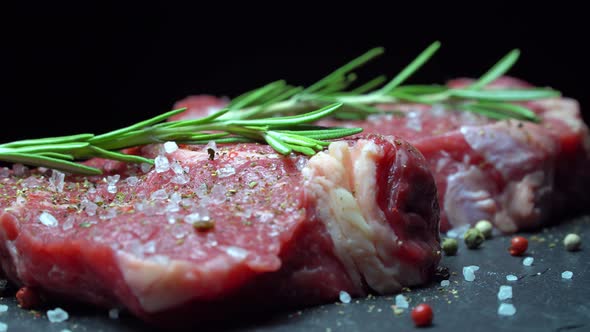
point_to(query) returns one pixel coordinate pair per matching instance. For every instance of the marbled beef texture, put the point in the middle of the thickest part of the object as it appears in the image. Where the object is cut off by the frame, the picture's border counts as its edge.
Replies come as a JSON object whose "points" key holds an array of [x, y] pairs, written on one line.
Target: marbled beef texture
{"points": [[242, 230]]}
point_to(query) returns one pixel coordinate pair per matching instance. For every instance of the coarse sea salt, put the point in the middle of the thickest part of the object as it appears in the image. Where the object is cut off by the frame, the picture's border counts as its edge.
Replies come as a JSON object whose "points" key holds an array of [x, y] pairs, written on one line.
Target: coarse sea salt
{"points": [[344, 297], [3, 327], [132, 180], [401, 301], [528, 261], [170, 147], [511, 277], [505, 292], [48, 219], [469, 272], [159, 195], [567, 274], [445, 283], [3, 308], [57, 315], [56, 180], [506, 309], [161, 164]]}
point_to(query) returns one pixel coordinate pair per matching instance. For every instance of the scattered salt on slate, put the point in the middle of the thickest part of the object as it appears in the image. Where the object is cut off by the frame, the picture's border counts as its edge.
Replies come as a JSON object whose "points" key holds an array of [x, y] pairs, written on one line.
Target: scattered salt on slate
{"points": [[401, 301], [3, 308], [506, 309], [445, 283], [344, 297], [511, 277], [528, 261], [3, 327], [469, 272], [567, 274], [505, 292], [57, 315]]}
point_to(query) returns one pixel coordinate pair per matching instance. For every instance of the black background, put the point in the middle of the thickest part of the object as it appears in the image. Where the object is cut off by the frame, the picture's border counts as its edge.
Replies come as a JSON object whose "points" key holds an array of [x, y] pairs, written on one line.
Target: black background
{"points": [[95, 67]]}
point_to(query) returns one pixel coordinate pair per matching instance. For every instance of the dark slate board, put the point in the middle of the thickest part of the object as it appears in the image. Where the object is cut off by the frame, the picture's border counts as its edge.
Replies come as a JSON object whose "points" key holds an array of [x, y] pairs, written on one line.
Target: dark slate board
{"points": [[543, 300]]}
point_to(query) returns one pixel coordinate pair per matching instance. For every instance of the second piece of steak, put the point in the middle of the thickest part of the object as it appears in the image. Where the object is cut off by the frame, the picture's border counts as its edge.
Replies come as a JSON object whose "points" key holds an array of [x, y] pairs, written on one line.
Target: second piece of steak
{"points": [[210, 232]]}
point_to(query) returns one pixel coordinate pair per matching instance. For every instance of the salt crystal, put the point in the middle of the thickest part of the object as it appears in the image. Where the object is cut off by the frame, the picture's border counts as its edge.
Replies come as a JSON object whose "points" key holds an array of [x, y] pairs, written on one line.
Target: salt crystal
{"points": [[145, 167], [226, 171], [180, 179], [3, 327], [413, 121], [505, 292], [199, 214], [506, 309], [66, 330], [218, 194], [344, 297], [109, 214], [511, 277], [237, 252], [401, 301], [149, 247], [170, 147], [57, 315], [57, 181], [445, 283], [162, 164], [132, 180], [68, 223], [201, 190], [114, 313], [159, 194], [469, 272], [567, 274], [528, 261], [112, 183], [3, 308], [89, 207], [47, 219]]}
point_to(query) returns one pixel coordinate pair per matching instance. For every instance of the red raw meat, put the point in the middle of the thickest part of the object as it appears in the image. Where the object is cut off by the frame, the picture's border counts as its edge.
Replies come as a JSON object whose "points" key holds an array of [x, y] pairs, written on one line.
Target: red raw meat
{"points": [[360, 217], [519, 175]]}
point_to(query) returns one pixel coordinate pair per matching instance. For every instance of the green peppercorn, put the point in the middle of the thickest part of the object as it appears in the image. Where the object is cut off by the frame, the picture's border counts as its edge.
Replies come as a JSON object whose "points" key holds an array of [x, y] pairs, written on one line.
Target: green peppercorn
{"points": [[572, 242], [485, 227], [449, 246], [473, 238]]}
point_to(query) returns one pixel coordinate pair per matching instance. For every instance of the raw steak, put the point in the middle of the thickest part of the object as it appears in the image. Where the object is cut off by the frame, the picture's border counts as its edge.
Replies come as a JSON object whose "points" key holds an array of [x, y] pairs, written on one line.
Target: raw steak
{"points": [[519, 175], [204, 236]]}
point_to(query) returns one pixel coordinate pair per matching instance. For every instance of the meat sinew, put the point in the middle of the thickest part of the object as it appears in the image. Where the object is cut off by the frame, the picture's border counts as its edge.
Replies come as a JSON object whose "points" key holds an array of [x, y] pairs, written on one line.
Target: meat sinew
{"points": [[203, 235], [519, 175]]}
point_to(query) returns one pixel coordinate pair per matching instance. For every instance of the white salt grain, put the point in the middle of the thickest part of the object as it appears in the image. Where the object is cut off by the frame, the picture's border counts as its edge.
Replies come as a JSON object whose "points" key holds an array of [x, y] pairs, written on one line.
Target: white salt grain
{"points": [[3, 308], [145, 167], [401, 301], [3, 327], [57, 315], [567, 274], [511, 277], [528, 261], [132, 180], [47, 219], [170, 147], [226, 171], [237, 252], [57, 181], [112, 183], [114, 313], [445, 283], [469, 272], [162, 164], [66, 330], [505, 292], [506, 309], [159, 195], [344, 297]]}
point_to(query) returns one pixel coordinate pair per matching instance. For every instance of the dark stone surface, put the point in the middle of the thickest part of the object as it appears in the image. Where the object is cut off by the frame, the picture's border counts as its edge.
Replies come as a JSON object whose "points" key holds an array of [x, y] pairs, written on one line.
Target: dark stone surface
{"points": [[543, 300]]}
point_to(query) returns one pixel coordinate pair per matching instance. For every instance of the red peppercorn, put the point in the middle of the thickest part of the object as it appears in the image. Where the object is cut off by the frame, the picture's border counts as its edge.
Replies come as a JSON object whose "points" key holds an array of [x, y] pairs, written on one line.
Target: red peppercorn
{"points": [[28, 298], [422, 315], [518, 245]]}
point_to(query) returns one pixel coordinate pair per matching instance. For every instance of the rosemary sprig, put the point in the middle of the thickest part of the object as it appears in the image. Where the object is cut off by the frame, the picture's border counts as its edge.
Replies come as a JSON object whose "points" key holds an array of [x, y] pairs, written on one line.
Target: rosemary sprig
{"points": [[285, 134], [278, 114], [281, 98]]}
